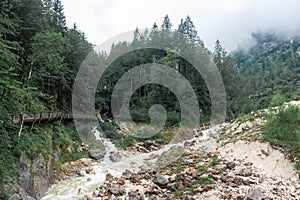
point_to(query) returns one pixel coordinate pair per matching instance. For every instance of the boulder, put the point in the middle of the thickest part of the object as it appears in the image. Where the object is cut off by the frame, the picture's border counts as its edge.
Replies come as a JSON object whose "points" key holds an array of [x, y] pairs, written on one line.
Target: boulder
{"points": [[255, 194], [160, 180], [97, 154], [115, 157], [230, 165], [117, 190]]}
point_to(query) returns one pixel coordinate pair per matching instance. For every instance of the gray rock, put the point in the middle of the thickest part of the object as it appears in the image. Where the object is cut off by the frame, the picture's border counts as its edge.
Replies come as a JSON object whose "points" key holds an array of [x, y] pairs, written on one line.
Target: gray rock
{"points": [[127, 173], [144, 169], [187, 143], [97, 154], [117, 190], [115, 157], [172, 186], [188, 197], [255, 194], [36, 176], [160, 180], [135, 196], [40, 185], [230, 165], [246, 172]]}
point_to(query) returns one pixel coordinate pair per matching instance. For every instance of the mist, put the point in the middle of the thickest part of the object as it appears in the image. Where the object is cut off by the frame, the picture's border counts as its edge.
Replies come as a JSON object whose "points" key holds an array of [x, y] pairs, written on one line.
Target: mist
{"points": [[232, 22]]}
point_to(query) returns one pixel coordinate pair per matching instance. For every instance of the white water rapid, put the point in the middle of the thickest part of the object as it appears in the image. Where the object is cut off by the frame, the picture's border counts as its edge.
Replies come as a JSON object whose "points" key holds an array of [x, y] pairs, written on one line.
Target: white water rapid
{"points": [[77, 187]]}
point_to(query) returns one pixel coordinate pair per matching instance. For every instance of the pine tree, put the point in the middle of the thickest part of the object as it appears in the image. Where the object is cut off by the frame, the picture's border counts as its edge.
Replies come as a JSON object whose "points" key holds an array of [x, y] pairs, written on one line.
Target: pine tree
{"points": [[188, 28], [180, 26], [166, 23], [136, 37], [219, 54], [59, 17]]}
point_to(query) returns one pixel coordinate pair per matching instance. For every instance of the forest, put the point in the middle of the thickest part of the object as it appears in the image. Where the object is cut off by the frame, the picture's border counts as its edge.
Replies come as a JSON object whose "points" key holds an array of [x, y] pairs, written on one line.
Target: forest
{"points": [[40, 57]]}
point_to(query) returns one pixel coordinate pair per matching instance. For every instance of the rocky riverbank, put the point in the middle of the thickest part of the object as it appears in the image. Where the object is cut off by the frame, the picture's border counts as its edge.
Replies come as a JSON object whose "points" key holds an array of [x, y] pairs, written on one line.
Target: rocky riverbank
{"points": [[235, 166], [223, 162], [201, 174]]}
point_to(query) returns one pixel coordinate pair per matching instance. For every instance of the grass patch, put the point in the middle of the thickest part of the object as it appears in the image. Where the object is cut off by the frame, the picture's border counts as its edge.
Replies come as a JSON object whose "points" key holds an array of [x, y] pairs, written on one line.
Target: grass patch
{"points": [[205, 181], [185, 190], [202, 168], [214, 160]]}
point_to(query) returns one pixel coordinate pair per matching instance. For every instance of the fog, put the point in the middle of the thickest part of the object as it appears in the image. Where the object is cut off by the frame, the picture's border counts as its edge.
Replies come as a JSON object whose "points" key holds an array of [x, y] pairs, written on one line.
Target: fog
{"points": [[230, 21]]}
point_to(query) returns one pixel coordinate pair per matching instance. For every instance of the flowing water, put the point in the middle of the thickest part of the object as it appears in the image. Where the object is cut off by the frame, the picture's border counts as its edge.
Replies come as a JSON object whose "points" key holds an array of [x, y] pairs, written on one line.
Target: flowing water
{"points": [[77, 187]]}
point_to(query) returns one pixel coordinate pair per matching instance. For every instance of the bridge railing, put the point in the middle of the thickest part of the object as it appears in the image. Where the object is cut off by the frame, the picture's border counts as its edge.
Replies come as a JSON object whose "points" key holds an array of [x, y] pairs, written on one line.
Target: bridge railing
{"points": [[47, 115], [38, 116]]}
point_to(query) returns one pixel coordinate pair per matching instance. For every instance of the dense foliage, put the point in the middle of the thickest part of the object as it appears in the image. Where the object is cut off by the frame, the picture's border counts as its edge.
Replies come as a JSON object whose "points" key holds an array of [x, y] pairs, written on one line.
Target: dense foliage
{"points": [[172, 43], [270, 67], [39, 58]]}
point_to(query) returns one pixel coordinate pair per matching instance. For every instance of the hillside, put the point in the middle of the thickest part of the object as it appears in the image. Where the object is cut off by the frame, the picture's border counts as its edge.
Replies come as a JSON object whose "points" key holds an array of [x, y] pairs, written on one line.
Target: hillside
{"points": [[270, 69]]}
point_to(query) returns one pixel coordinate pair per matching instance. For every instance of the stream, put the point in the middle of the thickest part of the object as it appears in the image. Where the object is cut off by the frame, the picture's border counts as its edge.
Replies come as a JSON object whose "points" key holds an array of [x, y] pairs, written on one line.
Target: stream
{"points": [[87, 184]]}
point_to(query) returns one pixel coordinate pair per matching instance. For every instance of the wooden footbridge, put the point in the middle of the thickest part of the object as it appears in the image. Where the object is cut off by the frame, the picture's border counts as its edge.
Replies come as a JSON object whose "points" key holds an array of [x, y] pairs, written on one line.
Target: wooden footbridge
{"points": [[47, 117]]}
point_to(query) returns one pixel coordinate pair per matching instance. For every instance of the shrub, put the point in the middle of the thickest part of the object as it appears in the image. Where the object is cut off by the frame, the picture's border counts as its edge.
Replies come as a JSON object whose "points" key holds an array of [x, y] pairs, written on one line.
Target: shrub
{"points": [[277, 100]]}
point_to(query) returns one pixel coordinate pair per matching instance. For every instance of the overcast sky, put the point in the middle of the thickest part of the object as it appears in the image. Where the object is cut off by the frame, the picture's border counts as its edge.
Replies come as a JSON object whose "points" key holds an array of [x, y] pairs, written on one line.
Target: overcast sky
{"points": [[230, 21]]}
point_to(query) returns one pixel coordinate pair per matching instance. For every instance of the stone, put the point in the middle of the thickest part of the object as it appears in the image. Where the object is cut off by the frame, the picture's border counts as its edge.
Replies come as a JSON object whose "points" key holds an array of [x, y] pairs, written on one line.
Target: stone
{"points": [[144, 169], [248, 164], [187, 182], [266, 153], [90, 171], [160, 180], [82, 191], [172, 186], [223, 178], [117, 190], [127, 174], [230, 165], [240, 197], [246, 172], [97, 154], [115, 157], [255, 194], [121, 181], [109, 177], [135, 196], [187, 143], [188, 197], [238, 180], [135, 178]]}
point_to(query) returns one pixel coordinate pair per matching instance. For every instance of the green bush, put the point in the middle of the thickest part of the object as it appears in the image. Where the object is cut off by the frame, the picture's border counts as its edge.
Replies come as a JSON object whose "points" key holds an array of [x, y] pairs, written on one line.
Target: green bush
{"points": [[277, 100]]}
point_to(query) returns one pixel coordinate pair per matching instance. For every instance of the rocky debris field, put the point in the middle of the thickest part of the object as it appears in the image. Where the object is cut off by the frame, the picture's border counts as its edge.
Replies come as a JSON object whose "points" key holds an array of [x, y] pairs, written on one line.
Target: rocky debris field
{"points": [[231, 163], [199, 175], [243, 170], [72, 169]]}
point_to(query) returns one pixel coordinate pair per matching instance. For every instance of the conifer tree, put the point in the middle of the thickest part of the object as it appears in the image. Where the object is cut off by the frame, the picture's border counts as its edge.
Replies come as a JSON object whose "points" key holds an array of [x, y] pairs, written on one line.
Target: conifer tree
{"points": [[166, 23]]}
